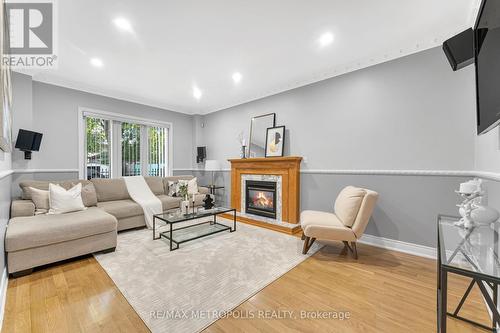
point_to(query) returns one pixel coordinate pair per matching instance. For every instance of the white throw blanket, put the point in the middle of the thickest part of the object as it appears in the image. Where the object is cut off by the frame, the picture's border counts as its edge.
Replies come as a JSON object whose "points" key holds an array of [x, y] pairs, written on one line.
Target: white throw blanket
{"points": [[141, 193]]}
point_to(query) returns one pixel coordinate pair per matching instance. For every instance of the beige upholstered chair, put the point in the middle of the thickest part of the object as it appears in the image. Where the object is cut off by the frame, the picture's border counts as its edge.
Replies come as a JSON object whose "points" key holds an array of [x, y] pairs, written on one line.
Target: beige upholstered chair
{"points": [[353, 209]]}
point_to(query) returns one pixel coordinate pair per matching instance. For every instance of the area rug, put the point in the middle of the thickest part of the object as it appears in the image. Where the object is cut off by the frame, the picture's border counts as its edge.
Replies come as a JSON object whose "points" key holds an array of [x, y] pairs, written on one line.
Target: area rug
{"points": [[188, 289]]}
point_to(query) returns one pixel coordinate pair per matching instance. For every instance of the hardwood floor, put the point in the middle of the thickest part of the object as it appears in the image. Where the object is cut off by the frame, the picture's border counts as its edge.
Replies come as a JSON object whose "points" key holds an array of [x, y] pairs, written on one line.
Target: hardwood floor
{"points": [[384, 291]]}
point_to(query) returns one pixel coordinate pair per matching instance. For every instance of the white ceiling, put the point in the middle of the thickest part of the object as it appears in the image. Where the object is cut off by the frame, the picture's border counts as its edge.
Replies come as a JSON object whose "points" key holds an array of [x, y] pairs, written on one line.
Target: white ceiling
{"points": [[274, 44]]}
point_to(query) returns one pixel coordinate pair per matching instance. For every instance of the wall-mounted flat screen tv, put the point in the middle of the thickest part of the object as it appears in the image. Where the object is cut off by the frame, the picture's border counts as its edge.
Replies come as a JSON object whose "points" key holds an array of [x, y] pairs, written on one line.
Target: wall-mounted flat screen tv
{"points": [[487, 60], [28, 140]]}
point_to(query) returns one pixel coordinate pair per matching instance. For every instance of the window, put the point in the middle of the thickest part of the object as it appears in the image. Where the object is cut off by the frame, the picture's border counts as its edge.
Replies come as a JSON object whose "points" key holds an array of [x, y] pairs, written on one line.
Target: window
{"points": [[114, 145]]}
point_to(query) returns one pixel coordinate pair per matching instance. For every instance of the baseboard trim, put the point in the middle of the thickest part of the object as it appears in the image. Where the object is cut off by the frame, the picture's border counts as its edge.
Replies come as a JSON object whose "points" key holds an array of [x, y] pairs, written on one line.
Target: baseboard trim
{"points": [[399, 246], [3, 296]]}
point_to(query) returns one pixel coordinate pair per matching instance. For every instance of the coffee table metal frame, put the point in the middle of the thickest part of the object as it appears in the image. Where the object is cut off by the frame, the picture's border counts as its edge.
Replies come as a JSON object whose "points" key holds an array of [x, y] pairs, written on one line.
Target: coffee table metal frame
{"points": [[192, 216]]}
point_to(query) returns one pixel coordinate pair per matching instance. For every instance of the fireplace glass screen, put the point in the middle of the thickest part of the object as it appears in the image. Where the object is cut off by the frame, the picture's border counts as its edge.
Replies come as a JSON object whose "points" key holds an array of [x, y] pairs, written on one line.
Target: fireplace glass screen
{"points": [[261, 198]]}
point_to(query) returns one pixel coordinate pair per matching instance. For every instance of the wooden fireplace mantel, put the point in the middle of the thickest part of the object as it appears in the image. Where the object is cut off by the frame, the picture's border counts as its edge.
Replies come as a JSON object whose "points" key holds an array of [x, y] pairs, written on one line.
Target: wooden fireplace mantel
{"points": [[287, 167]]}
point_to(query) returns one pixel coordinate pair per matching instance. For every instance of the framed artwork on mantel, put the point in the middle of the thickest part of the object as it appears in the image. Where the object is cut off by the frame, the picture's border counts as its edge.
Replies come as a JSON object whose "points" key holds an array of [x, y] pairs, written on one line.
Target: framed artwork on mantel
{"points": [[5, 88], [275, 141]]}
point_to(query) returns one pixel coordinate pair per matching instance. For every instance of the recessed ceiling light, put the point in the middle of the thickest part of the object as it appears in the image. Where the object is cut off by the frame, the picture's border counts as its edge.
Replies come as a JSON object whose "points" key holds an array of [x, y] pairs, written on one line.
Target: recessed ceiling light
{"points": [[197, 93], [325, 39], [123, 24], [237, 77], [96, 62]]}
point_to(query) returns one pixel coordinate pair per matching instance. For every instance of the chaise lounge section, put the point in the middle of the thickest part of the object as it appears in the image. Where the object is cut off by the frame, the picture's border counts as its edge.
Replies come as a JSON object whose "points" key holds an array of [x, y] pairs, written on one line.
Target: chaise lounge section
{"points": [[38, 239]]}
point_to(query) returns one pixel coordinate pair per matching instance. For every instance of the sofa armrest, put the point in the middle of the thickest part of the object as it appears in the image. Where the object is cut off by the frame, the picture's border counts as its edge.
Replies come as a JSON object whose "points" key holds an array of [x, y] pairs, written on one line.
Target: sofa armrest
{"points": [[20, 208], [203, 190]]}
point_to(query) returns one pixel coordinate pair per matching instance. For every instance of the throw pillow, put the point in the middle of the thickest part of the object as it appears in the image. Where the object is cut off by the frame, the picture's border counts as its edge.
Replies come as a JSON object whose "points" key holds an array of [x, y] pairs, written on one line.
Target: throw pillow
{"points": [[191, 184], [172, 188], [62, 201], [41, 200]]}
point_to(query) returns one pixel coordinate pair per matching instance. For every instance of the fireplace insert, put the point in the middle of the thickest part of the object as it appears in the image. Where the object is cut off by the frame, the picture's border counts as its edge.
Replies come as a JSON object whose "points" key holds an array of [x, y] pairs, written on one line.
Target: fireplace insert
{"points": [[260, 198]]}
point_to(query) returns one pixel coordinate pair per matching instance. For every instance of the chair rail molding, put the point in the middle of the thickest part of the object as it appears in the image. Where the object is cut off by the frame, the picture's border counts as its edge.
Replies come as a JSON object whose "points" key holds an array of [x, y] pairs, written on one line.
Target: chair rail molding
{"points": [[6, 173], [381, 172], [20, 171]]}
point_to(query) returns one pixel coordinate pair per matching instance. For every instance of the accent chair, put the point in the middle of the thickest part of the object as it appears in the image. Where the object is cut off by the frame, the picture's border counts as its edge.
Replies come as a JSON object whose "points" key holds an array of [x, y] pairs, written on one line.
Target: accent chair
{"points": [[352, 211]]}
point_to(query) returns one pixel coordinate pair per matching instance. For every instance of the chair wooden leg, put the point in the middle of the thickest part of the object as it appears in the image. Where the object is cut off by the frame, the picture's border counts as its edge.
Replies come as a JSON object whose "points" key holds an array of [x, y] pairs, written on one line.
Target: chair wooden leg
{"points": [[345, 249], [308, 242], [303, 236], [354, 250]]}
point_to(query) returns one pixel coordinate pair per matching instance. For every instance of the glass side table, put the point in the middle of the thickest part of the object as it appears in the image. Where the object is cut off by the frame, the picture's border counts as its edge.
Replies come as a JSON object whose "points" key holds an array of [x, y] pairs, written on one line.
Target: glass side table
{"points": [[213, 188], [472, 253]]}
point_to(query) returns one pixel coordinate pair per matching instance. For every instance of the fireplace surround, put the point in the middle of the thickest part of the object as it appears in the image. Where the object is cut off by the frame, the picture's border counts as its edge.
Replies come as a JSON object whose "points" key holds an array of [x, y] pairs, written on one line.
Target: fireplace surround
{"points": [[285, 172], [261, 198]]}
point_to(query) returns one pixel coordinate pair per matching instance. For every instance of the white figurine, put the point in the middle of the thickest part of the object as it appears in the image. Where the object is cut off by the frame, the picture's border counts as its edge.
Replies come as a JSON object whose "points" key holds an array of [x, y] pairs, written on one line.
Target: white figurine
{"points": [[471, 209]]}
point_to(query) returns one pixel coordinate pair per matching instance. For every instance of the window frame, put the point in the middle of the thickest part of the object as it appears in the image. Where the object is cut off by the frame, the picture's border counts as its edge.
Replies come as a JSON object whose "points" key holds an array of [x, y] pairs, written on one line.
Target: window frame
{"points": [[116, 119]]}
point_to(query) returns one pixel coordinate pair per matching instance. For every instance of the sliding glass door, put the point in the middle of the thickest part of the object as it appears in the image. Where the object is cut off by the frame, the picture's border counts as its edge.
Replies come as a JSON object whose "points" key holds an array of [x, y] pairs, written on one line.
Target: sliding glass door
{"points": [[157, 151], [131, 149], [114, 148], [98, 149]]}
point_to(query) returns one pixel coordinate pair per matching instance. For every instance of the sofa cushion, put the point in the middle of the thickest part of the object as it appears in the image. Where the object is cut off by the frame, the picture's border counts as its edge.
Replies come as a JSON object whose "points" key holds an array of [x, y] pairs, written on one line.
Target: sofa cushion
{"points": [[155, 184], [169, 202], [40, 230], [198, 199], [347, 204], [323, 225], [110, 189], [121, 208]]}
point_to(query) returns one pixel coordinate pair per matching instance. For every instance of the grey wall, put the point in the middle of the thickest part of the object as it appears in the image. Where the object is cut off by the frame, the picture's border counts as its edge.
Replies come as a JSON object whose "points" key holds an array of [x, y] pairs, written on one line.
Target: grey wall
{"points": [[55, 113], [23, 116], [410, 113]]}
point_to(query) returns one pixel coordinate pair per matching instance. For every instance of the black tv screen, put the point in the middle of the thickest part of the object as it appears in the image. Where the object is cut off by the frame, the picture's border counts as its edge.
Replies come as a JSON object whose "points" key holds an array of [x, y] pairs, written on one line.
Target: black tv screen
{"points": [[28, 140], [487, 60]]}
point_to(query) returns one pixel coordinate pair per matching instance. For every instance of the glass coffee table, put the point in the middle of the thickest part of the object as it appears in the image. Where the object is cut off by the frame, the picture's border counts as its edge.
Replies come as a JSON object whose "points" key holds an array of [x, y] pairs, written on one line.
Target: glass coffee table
{"points": [[179, 235]]}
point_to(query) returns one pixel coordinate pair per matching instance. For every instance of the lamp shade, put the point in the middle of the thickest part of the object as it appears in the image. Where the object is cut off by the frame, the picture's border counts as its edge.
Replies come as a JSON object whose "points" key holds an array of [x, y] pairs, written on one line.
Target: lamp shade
{"points": [[212, 165]]}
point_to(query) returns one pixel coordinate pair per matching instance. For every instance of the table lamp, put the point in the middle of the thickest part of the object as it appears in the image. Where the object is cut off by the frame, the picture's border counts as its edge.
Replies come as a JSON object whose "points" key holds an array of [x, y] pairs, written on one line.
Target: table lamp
{"points": [[212, 165]]}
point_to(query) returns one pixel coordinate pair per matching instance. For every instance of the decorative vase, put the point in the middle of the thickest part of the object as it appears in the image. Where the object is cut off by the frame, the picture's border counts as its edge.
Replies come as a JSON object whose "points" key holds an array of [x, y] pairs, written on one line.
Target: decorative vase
{"points": [[243, 152], [185, 207]]}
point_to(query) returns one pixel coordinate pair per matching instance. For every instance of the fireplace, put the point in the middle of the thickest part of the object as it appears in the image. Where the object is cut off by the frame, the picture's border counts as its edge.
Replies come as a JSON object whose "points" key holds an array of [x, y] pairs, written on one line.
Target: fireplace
{"points": [[260, 198]]}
